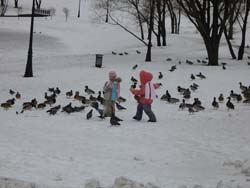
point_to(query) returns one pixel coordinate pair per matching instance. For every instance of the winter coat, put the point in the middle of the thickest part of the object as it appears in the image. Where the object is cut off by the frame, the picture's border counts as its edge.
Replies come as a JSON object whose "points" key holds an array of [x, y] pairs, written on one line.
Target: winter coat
{"points": [[111, 90], [146, 91]]}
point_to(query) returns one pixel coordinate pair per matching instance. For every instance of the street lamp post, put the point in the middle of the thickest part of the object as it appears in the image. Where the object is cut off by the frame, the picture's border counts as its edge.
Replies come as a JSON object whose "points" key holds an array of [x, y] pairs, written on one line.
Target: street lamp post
{"points": [[29, 71], [79, 7]]}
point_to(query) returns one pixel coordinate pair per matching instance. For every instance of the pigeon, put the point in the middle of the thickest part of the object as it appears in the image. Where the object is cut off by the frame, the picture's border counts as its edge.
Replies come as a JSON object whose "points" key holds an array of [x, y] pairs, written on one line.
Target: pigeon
{"points": [[120, 107], [12, 92], [54, 110], [89, 114], [173, 68], [198, 61], [135, 66], [221, 98], [78, 108], [201, 75], [51, 89], [160, 75], [223, 67], [229, 104], [68, 108], [138, 52], [121, 54], [114, 53], [189, 62], [113, 121], [134, 79], [88, 90], [168, 59]]}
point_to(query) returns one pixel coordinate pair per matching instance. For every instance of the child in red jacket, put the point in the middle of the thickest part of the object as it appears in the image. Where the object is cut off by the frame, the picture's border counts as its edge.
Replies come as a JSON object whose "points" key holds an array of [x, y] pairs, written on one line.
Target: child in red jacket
{"points": [[145, 96]]}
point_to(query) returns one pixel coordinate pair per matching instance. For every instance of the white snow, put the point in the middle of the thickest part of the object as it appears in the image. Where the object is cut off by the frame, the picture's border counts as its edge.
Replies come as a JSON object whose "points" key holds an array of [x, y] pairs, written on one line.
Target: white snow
{"points": [[180, 150]]}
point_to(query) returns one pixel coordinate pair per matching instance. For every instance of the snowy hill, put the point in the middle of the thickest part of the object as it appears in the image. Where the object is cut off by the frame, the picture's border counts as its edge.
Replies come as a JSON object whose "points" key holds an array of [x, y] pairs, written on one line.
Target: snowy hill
{"points": [[66, 150]]}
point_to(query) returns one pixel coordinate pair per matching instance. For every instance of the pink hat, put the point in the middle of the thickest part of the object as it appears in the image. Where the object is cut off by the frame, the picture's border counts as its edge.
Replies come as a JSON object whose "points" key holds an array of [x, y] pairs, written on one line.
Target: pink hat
{"points": [[112, 73]]}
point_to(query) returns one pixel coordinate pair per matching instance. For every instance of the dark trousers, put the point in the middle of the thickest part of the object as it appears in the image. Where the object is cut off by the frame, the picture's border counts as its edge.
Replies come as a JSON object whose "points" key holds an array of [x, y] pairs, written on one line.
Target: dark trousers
{"points": [[147, 109]]}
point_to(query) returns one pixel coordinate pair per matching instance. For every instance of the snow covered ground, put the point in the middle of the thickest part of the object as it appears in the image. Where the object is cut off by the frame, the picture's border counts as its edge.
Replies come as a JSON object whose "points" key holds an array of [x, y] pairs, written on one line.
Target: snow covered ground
{"points": [[66, 150]]}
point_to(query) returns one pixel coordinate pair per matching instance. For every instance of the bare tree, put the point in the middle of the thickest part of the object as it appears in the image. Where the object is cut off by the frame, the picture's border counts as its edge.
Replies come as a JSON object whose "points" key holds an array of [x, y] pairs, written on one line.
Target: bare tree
{"points": [[66, 12], [15, 3], [209, 17], [38, 4], [3, 7]]}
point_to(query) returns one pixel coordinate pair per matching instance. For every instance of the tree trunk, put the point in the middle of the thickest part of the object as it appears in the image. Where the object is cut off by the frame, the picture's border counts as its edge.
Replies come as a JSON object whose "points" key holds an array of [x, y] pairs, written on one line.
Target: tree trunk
{"points": [[212, 52], [229, 44], [158, 36], [107, 14], [15, 3], [2, 2], [244, 28], [163, 24], [140, 21], [150, 30]]}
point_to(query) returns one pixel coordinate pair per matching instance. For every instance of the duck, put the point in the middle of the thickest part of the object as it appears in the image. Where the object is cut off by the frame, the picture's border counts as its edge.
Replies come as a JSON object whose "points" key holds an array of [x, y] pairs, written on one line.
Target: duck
{"points": [[49, 97], [88, 90], [100, 98], [6, 105], [121, 54], [187, 94], [173, 68], [78, 97], [196, 101], [68, 108], [29, 105], [133, 86], [204, 62], [50, 101], [242, 87], [57, 91], [89, 114], [138, 52], [201, 76], [192, 77], [69, 93], [78, 108], [193, 88], [126, 53], [182, 105], [135, 66], [247, 101], [18, 95], [51, 89], [233, 95], [198, 61], [221, 98], [192, 110], [11, 101], [229, 104], [180, 89], [54, 110], [165, 96], [189, 62], [41, 105], [169, 59], [239, 98], [215, 104], [160, 75], [114, 53], [223, 67], [173, 100]]}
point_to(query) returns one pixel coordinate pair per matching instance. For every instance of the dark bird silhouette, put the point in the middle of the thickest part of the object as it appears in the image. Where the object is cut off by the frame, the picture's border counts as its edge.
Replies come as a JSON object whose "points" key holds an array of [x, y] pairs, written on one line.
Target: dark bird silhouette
{"points": [[138, 52], [6, 105], [113, 121], [233, 95], [69, 93], [204, 62], [133, 86], [201, 75], [100, 98], [247, 101], [195, 85], [192, 110], [248, 57], [223, 67], [54, 110], [89, 114], [239, 98], [193, 88], [11, 101], [121, 99], [166, 96], [173, 68], [51, 89], [68, 108], [192, 77], [135, 66], [215, 104], [78, 108], [229, 104], [88, 90], [242, 87], [196, 101], [221, 98], [49, 97], [173, 100], [134, 79], [12, 92], [223, 63], [114, 53], [198, 61], [126, 53], [248, 63], [18, 95], [168, 59], [179, 62], [120, 107], [160, 75], [181, 89], [121, 54], [57, 91], [50, 101], [41, 105], [189, 62]]}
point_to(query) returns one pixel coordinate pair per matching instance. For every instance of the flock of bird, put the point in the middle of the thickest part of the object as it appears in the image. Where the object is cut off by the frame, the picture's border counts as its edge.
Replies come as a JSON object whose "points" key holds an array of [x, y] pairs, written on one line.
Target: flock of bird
{"points": [[94, 100], [50, 100]]}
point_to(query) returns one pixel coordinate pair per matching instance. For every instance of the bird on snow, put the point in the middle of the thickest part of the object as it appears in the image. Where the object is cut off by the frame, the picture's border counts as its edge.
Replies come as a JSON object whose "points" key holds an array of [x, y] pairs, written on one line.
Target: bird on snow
{"points": [[120, 107], [121, 54], [201, 75], [233, 95], [215, 104], [138, 52], [89, 114], [100, 98], [166, 96], [126, 53], [54, 110], [229, 104], [114, 53], [113, 121], [181, 89], [121, 99], [11, 92], [223, 67], [88, 90], [18, 95], [193, 88], [57, 91], [173, 68], [168, 59], [68, 108], [160, 75], [239, 98], [192, 77], [41, 105], [221, 98], [133, 86], [242, 87], [134, 79], [69, 93], [11, 101], [135, 66], [6, 105]]}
